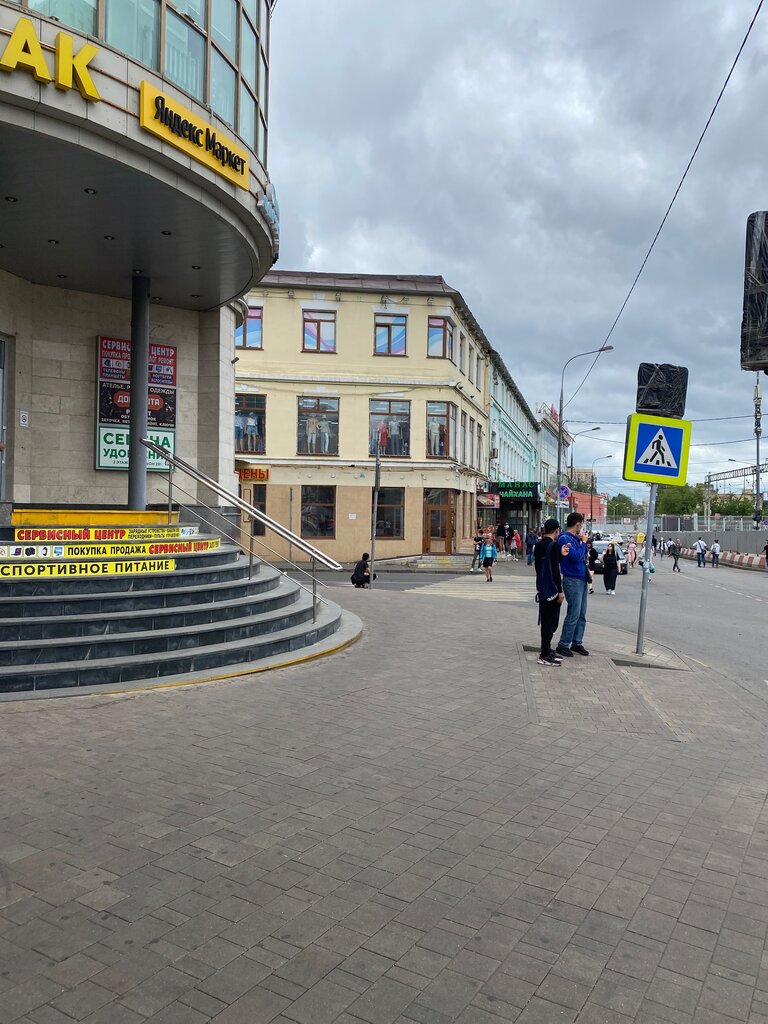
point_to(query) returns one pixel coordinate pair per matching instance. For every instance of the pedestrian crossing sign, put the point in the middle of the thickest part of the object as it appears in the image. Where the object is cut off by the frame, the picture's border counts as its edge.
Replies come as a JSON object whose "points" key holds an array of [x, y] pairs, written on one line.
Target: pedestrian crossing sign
{"points": [[657, 449]]}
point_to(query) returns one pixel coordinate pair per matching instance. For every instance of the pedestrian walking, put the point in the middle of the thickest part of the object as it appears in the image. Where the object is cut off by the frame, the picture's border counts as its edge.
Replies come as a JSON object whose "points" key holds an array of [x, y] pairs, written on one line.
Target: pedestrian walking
{"points": [[700, 547], [576, 579], [631, 552], [549, 590], [591, 563], [477, 541], [512, 546], [675, 548], [654, 544], [531, 540], [518, 544], [662, 548], [716, 549], [501, 535], [489, 553], [610, 570], [765, 555]]}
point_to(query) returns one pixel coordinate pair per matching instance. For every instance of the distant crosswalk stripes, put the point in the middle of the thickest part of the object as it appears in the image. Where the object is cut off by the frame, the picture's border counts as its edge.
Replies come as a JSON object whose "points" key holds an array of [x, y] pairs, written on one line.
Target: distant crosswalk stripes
{"points": [[475, 588]]}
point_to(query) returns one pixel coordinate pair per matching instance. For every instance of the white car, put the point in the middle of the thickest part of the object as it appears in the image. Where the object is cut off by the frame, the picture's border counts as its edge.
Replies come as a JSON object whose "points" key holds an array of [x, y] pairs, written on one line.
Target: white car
{"points": [[599, 547]]}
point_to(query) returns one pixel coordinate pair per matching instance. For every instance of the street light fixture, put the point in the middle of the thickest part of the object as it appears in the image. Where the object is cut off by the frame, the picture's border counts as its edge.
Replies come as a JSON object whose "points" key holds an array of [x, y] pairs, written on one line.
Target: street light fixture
{"points": [[592, 486], [579, 355], [589, 430]]}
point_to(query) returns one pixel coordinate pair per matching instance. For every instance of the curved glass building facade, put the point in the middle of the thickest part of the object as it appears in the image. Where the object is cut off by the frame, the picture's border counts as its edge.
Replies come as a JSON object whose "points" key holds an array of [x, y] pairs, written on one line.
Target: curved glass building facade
{"points": [[216, 51]]}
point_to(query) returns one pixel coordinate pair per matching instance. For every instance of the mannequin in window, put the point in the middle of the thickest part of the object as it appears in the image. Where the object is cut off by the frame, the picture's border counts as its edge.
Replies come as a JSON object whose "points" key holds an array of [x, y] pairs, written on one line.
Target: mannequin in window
{"points": [[310, 427], [434, 437], [393, 427], [443, 449], [251, 433], [324, 430], [382, 436]]}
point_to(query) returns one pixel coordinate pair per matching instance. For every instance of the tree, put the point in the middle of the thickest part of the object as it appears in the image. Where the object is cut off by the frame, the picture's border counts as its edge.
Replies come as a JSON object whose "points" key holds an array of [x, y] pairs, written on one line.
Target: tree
{"points": [[679, 501], [622, 505], [733, 504]]}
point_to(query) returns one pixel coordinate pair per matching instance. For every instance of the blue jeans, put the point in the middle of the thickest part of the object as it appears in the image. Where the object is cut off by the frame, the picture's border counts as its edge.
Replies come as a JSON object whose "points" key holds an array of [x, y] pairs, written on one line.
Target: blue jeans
{"points": [[700, 561], [530, 555], [575, 591]]}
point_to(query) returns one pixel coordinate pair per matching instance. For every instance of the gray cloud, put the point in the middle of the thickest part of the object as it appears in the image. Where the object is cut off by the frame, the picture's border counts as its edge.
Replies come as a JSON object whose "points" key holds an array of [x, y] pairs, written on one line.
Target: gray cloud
{"points": [[527, 153]]}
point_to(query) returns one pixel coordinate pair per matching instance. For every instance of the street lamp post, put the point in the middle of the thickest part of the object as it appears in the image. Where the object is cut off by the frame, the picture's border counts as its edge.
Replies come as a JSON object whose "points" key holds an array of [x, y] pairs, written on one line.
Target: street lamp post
{"points": [[589, 430], [592, 485], [758, 431], [579, 355]]}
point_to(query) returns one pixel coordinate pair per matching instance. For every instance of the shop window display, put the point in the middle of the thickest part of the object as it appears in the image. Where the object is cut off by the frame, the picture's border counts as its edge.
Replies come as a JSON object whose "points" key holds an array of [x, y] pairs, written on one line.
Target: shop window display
{"points": [[317, 431], [441, 430], [390, 512], [318, 511], [250, 424], [389, 428]]}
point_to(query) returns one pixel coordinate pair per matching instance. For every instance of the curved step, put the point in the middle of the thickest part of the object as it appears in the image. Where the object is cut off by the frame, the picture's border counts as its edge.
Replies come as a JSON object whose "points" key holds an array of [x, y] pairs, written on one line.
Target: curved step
{"points": [[117, 622], [153, 666], [199, 569], [264, 578]]}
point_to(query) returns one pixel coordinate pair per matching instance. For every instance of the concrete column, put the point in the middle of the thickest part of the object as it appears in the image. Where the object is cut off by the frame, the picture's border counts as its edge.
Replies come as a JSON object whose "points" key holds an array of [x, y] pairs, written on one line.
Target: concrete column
{"points": [[137, 453]]}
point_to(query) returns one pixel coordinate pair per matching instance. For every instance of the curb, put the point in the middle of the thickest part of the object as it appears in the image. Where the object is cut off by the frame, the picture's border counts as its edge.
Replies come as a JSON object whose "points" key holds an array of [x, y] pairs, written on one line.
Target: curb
{"points": [[733, 558]]}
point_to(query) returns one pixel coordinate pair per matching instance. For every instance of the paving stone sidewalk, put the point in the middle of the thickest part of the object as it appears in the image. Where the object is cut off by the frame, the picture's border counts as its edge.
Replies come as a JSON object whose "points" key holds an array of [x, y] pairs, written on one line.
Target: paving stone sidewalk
{"points": [[426, 828]]}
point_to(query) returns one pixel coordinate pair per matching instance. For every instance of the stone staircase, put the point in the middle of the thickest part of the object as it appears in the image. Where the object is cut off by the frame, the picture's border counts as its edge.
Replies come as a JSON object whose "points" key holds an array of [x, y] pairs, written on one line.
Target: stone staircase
{"points": [[131, 601]]}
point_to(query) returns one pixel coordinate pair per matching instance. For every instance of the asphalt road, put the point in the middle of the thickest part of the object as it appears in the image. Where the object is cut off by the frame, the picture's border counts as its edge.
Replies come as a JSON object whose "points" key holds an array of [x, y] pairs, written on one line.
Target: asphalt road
{"points": [[717, 616]]}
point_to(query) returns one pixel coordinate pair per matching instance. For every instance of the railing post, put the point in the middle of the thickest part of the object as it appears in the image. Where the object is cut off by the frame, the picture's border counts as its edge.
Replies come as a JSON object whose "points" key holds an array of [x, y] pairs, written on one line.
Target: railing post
{"points": [[170, 494], [314, 589], [250, 551]]}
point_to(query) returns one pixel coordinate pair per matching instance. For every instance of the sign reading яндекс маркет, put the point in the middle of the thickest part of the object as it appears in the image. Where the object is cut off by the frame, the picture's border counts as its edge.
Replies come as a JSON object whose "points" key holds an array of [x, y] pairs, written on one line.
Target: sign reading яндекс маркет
{"points": [[516, 490], [182, 128]]}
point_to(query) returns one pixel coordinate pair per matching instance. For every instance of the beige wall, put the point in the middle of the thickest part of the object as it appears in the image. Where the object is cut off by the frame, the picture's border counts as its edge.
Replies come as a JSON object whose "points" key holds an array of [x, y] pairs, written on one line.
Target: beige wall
{"points": [[51, 375], [354, 375]]}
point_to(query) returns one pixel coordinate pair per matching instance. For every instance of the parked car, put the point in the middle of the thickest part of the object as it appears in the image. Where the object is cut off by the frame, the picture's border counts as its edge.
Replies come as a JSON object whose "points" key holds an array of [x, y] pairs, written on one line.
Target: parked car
{"points": [[600, 547]]}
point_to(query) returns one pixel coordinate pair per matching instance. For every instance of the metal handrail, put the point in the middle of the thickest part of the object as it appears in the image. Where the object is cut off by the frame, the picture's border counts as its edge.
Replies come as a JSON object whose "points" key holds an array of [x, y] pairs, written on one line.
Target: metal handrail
{"points": [[261, 542], [238, 502]]}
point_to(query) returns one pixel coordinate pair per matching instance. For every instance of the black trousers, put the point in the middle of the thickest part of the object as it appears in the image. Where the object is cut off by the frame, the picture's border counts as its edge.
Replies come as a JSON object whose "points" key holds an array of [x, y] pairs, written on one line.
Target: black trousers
{"points": [[676, 566], [550, 617]]}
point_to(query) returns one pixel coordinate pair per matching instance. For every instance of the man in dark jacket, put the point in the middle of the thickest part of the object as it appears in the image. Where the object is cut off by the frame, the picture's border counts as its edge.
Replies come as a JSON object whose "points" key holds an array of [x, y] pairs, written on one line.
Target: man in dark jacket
{"points": [[549, 589]]}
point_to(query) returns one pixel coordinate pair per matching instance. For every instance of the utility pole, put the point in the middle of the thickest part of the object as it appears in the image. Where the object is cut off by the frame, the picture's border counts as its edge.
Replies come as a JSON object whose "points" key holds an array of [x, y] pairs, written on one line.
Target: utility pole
{"points": [[640, 648]]}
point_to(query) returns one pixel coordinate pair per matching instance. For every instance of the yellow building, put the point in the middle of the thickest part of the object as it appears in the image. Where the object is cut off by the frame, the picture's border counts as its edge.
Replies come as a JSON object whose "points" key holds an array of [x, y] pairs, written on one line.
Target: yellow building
{"points": [[336, 372]]}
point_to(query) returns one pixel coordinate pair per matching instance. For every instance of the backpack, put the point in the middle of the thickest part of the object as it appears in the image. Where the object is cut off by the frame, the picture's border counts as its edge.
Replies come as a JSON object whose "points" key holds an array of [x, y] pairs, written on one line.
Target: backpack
{"points": [[546, 588]]}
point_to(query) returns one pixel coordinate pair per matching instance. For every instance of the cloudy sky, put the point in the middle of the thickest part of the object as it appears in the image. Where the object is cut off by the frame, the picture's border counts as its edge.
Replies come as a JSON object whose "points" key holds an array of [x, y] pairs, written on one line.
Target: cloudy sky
{"points": [[527, 152]]}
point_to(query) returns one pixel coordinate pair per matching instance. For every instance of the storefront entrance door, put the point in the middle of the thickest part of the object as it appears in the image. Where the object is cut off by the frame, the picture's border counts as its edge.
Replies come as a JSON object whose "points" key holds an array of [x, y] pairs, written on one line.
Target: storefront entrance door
{"points": [[438, 521]]}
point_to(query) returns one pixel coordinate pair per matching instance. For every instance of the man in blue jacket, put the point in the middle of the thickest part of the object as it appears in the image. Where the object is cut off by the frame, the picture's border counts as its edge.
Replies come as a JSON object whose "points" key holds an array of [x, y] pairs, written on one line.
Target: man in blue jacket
{"points": [[573, 566]]}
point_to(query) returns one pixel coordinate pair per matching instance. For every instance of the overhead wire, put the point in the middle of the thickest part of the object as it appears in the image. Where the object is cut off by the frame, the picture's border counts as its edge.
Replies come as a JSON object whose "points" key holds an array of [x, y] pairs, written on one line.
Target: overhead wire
{"points": [[651, 247]]}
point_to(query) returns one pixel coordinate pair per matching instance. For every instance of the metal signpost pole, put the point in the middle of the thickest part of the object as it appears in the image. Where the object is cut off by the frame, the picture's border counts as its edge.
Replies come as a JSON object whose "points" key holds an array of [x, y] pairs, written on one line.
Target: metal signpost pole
{"points": [[646, 571], [375, 514]]}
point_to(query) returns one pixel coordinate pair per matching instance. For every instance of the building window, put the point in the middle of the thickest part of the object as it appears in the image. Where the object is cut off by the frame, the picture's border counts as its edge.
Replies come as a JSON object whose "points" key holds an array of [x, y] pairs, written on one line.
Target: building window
{"points": [[247, 122], [318, 511], [184, 55], [250, 424], [78, 14], [222, 88], [480, 368], [471, 367], [471, 442], [390, 514], [390, 335], [462, 351], [479, 446], [249, 333], [440, 338], [464, 438], [441, 430], [319, 331], [249, 48], [389, 428], [133, 27], [196, 9], [317, 431], [224, 25]]}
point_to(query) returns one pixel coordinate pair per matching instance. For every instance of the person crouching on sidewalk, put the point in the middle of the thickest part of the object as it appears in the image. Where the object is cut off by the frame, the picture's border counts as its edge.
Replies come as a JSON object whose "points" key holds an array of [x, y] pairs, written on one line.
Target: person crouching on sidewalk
{"points": [[549, 590], [488, 556]]}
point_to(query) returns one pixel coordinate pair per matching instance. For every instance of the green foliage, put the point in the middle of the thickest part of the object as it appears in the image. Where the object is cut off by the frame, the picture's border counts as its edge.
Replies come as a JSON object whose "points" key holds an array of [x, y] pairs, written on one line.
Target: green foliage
{"points": [[733, 504], [623, 505], [679, 501]]}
